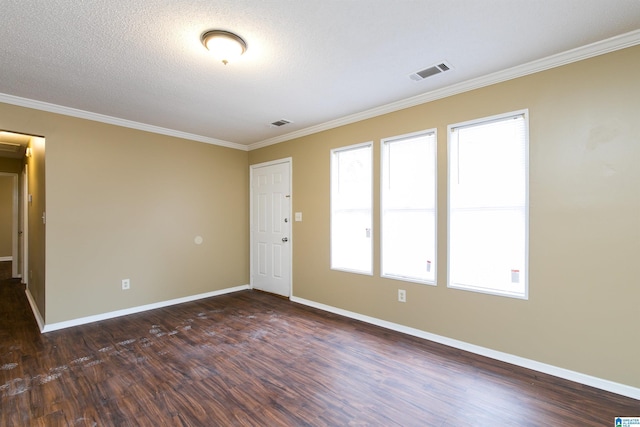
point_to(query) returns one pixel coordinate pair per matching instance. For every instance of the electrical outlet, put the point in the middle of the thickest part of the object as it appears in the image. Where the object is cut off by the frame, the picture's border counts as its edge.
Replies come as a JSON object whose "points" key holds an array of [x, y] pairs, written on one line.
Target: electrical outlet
{"points": [[402, 295], [126, 284]]}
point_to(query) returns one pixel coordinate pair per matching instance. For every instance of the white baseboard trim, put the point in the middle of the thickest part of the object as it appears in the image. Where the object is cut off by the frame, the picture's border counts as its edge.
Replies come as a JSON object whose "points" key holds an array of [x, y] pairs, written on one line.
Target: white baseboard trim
{"points": [[613, 387], [6, 258], [132, 310], [34, 309]]}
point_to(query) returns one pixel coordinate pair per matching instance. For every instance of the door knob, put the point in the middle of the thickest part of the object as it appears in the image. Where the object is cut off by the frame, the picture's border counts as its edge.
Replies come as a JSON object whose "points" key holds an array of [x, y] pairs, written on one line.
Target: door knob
{"points": [[284, 239]]}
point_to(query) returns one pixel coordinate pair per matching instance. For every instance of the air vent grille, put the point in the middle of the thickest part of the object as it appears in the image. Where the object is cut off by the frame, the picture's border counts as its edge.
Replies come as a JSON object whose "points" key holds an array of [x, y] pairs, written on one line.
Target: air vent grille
{"points": [[9, 147], [281, 122], [430, 71]]}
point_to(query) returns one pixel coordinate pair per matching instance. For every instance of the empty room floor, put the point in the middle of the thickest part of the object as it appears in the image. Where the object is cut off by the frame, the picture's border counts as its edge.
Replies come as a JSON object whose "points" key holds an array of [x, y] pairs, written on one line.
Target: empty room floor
{"points": [[253, 359]]}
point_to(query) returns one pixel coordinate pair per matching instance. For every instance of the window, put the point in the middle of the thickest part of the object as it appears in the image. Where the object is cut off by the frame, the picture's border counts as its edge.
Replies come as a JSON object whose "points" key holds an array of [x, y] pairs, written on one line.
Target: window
{"points": [[408, 202], [351, 201], [488, 205]]}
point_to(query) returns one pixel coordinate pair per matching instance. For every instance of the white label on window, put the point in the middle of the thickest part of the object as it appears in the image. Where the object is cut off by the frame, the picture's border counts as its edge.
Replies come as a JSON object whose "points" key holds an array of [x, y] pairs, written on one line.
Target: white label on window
{"points": [[368, 232], [428, 266], [515, 276]]}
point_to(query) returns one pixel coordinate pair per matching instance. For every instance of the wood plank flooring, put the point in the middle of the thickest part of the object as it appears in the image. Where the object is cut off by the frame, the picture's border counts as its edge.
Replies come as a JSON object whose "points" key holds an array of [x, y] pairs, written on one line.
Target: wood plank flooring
{"points": [[253, 359]]}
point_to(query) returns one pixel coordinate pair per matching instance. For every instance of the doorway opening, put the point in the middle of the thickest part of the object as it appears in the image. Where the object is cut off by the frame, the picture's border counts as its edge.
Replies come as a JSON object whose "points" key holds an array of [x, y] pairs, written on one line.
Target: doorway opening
{"points": [[21, 180]]}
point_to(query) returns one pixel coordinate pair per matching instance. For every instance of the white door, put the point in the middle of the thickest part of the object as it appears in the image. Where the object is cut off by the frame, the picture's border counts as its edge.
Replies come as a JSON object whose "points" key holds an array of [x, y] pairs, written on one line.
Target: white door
{"points": [[270, 227]]}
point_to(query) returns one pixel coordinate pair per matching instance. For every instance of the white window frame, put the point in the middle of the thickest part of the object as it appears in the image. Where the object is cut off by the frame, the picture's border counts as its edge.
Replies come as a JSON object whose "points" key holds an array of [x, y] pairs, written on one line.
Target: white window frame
{"points": [[525, 295], [334, 152], [384, 143]]}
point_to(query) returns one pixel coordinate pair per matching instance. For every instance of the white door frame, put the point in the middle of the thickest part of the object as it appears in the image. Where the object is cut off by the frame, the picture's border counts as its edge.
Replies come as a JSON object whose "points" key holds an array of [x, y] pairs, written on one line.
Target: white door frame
{"points": [[25, 225], [289, 162]]}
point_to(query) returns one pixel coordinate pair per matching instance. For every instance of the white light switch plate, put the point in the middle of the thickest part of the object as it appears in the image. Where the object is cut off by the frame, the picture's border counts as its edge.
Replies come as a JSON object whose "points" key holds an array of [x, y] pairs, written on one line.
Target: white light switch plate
{"points": [[298, 216]]}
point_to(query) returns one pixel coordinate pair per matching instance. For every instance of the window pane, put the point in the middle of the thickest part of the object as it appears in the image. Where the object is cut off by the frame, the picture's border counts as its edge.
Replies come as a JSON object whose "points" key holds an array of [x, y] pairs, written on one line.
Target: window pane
{"points": [[408, 207], [485, 246], [488, 206], [351, 200]]}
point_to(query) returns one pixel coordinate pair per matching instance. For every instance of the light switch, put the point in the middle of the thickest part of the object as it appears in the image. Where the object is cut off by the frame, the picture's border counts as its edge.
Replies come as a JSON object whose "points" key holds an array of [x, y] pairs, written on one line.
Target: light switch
{"points": [[298, 216]]}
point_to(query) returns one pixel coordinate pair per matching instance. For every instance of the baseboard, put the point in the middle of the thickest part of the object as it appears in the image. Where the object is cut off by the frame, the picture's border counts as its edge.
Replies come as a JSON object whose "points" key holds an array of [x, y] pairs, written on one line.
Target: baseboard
{"points": [[110, 315], [34, 309], [6, 258], [602, 384]]}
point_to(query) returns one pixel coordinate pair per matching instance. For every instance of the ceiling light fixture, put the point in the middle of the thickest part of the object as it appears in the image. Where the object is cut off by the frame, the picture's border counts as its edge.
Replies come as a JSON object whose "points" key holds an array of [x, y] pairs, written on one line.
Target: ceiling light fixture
{"points": [[224, 45]]}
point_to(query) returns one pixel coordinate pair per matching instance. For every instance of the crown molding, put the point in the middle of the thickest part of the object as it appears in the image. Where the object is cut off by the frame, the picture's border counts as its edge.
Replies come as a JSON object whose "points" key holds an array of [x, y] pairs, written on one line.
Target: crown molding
{"points": [[595, 49], [574, 55], [81, 114]]}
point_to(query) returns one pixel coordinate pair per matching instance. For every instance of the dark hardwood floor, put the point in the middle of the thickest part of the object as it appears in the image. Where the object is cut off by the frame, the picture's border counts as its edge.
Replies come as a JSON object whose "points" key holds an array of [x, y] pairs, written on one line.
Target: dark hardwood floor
{"points": [[252, 359]]}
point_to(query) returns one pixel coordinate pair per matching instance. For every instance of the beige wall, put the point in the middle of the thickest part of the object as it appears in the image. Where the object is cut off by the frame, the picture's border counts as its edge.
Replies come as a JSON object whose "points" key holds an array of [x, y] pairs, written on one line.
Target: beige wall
{"points": [[36, 227], [123, 203], [6, 215], [584, 221]]}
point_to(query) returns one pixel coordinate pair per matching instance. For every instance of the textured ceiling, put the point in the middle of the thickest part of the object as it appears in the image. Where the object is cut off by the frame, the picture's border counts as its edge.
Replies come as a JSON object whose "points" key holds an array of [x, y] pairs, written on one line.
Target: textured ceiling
{"points": [[308, 61]]}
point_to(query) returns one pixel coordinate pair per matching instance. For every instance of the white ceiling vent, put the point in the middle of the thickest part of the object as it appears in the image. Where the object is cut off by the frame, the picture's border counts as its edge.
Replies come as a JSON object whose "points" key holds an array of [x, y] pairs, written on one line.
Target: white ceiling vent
{"points": [[431, 71], [280, 122]]}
